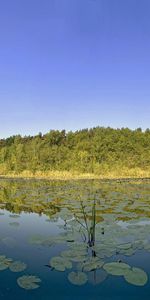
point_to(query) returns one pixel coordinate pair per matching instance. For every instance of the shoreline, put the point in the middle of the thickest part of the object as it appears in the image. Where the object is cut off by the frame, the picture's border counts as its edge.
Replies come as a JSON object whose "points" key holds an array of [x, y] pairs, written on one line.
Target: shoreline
{"points": [[74, 176]]}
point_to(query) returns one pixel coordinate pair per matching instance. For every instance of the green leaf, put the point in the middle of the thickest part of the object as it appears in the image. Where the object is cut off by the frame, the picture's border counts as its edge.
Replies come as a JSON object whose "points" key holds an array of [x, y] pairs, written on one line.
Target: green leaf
{"points": [[116, 268], [28, 282], [17, 266], [77, 278], [136, 276], [60, 263]]}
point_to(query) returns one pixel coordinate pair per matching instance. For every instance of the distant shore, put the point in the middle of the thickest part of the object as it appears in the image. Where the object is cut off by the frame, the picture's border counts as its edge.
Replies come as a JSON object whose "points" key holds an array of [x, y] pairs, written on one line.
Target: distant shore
{"points": [[65, 175]]}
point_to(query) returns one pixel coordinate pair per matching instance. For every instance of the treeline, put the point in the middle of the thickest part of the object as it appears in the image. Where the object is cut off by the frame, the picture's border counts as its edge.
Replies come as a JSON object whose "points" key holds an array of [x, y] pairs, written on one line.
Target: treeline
{"points": [[97, 150]]}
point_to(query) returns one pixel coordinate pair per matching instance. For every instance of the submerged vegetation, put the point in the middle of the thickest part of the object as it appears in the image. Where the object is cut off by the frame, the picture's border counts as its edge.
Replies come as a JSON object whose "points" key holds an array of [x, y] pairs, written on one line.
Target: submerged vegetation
{"points": [[88, 153]]}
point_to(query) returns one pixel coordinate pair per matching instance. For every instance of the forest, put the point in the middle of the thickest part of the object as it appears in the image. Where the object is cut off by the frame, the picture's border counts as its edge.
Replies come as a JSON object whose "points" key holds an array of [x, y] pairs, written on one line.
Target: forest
{"points": [[100, 151]]}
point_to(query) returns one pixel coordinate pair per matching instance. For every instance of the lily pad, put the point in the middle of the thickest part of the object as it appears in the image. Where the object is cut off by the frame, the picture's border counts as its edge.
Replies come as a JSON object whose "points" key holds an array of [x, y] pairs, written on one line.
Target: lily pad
{"points": [[77, 278], [92, 264], [28, 282], [136, 276], [75, 255], [125, 246], [17, 266], [4, 262], [36, 240], [60, 263], [116, 268]]}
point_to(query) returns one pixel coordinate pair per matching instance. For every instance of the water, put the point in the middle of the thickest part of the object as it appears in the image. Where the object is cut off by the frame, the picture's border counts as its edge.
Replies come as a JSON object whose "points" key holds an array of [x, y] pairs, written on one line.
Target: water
{"points": [[99, 222]]}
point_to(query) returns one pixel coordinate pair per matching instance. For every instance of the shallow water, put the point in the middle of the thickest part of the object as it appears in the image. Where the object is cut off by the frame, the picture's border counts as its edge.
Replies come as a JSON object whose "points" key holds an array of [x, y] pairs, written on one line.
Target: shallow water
{"points": [[40, 220]]}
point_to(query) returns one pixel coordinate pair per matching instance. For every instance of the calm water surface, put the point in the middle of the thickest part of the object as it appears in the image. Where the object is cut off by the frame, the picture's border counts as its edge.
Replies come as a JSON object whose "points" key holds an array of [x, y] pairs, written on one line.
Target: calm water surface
{"points": [[67, 232]]}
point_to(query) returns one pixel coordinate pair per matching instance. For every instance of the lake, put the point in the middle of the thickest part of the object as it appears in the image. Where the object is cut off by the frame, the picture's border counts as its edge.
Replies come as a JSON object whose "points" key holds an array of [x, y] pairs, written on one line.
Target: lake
{"points": [[86, 239]]}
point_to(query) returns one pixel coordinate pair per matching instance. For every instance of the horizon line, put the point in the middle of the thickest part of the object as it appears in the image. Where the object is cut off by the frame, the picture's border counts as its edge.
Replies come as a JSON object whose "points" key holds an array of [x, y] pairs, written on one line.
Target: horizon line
{"points": [[75, 130]]}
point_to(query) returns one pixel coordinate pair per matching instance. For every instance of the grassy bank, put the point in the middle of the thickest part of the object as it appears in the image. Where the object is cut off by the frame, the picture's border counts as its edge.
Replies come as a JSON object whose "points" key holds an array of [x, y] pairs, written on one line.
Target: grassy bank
{"points": [[65, 175]]}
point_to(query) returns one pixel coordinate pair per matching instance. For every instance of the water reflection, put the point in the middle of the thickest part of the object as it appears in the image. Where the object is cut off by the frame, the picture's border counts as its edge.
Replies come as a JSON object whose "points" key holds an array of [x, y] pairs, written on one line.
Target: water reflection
{"points": [[88, 231]]}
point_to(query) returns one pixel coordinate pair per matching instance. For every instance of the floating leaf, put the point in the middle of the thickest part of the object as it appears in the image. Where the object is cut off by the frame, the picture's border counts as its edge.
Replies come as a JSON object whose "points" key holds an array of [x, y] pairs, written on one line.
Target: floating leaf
{"points": [[79, 247], [2, 258], [17, 266], [128, 252], [3, 266], [92, 264], [37, 240], [79, 258], [116, 268], [4, 262], [76, 255], [60, 263], [77, 278], [125, 246], [136, 276], [28, 282]]}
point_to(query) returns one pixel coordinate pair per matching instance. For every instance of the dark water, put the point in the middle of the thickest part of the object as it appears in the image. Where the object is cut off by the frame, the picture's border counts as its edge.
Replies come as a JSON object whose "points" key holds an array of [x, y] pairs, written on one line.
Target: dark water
{"points": [[96, 221]]}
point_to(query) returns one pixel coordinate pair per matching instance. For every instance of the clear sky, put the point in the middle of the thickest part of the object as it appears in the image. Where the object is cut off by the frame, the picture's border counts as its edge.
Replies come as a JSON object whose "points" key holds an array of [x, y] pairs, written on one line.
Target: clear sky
{"points": [[72, 64]]}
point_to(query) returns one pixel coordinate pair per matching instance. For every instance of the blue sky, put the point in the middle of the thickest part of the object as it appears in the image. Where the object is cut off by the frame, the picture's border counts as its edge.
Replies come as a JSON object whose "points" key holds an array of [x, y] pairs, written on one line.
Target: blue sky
{"points": [[72, 64]]}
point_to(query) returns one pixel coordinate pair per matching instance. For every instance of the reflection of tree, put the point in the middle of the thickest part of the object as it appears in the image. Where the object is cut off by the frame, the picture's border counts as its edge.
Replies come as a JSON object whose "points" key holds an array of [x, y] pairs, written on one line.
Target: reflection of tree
{"points": [[62, 200], [50, 197]]}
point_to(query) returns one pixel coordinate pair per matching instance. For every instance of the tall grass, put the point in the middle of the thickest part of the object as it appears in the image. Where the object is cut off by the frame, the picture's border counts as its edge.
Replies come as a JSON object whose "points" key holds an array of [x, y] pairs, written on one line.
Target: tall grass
{"points": [[69, 175]]}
